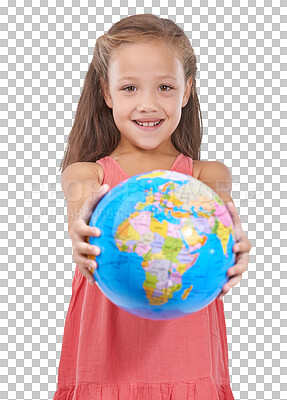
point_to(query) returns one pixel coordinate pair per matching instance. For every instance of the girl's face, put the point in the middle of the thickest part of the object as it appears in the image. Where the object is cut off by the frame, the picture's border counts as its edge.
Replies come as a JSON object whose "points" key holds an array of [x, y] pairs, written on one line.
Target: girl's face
{"points": [[146, 81]]}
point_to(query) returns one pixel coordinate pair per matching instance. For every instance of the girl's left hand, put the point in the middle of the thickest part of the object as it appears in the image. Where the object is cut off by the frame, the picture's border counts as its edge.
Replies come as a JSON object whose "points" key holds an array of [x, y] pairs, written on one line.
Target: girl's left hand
{"points": [[242, 247]]}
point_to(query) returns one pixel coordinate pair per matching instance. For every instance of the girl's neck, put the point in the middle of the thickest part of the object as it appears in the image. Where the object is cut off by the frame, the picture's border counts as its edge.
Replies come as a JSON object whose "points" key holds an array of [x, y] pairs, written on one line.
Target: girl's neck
{"points": [[128, 150], [133, 164], [147, 155]]}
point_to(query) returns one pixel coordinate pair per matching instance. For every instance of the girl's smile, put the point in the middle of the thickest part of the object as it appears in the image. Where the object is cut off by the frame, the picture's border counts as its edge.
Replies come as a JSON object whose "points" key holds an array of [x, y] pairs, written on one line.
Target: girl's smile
{"points": [[146, 125]]}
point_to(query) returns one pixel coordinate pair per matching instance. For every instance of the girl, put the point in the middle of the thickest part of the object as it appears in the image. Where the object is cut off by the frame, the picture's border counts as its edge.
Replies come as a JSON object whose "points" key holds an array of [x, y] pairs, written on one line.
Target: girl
{"points": [[142, 72]]}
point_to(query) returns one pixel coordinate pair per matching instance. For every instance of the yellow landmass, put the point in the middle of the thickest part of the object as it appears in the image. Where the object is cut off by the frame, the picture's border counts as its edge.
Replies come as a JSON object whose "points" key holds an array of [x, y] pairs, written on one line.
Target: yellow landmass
{"points": [[192, 237], [167, 293], [158, 227], [223, 233], [126, 232], [186, 292], [151, 175]]}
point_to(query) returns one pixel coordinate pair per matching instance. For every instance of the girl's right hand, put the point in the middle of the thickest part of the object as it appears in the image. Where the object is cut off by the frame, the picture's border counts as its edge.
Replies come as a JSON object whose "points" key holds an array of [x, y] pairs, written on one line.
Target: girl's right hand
{"points": [[80, 231]]}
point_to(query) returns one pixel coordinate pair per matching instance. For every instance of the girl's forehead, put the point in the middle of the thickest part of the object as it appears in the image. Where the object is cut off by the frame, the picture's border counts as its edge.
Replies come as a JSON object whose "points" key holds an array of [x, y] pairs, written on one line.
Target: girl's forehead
{"points": [[144, 45], [142, 58]]}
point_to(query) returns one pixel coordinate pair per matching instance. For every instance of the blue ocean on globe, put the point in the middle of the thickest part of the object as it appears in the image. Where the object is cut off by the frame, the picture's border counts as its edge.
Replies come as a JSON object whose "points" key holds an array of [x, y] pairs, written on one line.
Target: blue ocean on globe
{"points": [[166, 244]]}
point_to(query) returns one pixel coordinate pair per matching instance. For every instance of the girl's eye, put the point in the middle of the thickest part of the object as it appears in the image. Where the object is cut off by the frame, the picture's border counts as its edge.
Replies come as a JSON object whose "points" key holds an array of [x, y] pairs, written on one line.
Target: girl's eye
{"points": [[166, 87], [128, 87]]}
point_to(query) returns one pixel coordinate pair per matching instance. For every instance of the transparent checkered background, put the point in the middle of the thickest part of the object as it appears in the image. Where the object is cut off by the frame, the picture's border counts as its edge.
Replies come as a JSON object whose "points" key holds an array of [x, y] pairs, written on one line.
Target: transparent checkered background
{"points": [[241, 83]]}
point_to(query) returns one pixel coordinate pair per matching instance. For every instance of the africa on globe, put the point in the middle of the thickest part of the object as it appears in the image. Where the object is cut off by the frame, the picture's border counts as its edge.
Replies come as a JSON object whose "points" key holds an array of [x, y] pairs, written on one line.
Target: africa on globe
{"points": [[166, 245]]}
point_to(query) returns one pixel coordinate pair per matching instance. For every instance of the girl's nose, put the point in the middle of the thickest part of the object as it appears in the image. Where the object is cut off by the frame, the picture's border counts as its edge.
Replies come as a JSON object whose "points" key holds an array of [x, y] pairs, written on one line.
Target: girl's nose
{"points": [[148, 107], [148, 103]]}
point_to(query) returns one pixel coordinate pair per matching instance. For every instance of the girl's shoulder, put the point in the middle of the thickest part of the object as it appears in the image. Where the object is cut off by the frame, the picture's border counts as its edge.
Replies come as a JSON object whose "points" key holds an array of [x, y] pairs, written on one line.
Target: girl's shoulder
{"points": [[200, 168], [83, 171], [218, 177], [197, 167], [212, 169], [100, 172]]}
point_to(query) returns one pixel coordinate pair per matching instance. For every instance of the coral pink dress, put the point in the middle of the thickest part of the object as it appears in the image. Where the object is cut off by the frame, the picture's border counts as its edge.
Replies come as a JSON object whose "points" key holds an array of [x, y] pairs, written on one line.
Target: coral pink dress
{"points": [[109, 354]]}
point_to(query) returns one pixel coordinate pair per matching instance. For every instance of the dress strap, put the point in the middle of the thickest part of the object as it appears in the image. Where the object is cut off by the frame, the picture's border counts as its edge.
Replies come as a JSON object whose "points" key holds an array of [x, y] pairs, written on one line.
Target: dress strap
{"points": [[183, 164]]}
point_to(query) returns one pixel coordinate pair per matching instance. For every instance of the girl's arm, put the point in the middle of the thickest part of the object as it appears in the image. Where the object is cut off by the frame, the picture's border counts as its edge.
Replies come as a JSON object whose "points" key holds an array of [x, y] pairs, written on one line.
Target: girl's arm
{"points": [[218, 177], [82, 190], [79, 181]]}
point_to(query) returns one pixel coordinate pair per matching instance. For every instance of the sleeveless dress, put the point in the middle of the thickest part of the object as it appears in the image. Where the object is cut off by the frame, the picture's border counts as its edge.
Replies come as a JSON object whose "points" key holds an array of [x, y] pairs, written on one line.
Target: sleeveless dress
{"points": [[109, 354]]}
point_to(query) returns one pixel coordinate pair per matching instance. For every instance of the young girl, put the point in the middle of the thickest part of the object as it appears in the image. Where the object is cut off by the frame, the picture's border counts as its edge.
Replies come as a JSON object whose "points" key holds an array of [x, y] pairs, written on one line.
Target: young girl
{"points": [[143, 71]]}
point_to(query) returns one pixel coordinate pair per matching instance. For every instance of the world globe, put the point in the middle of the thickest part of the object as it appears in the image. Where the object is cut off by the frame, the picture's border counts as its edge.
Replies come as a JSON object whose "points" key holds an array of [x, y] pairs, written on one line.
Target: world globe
{"points": [[166, 244]]}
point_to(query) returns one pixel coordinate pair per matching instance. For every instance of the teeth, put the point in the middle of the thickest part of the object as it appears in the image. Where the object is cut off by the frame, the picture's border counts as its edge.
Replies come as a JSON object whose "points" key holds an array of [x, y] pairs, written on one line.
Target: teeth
{"points": [[148, 123]]}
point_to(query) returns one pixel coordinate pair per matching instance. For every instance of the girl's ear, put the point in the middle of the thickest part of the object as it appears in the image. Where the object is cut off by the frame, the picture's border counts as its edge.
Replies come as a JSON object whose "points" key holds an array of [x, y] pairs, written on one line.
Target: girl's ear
{"points": [[187, 92], [106, 93]]}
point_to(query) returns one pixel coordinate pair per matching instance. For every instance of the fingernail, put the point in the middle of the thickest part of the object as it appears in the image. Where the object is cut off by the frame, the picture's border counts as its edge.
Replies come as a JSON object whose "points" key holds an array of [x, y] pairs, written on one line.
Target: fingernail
{"points": [[91, 281]]}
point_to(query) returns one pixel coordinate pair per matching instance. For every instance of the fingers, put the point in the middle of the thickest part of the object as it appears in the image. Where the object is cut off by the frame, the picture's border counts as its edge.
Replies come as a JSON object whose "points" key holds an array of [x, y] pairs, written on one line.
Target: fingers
{"points": [[80, 230], [235, 274], [231, 282], [236, 221], [238, 268], [86, 230], [86, 265], [86, 248], [84, 253], [241, 263], [242, 246], [87, 273], [84, 260]]}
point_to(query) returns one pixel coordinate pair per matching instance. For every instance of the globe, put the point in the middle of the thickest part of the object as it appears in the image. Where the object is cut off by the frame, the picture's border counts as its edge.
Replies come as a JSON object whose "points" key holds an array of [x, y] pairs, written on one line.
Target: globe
{"points": [[166, 245]]}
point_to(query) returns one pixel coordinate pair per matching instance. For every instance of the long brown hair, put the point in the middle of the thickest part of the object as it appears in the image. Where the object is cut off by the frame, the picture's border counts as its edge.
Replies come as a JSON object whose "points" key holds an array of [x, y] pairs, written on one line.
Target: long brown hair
{"points": [[94, 134]]}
